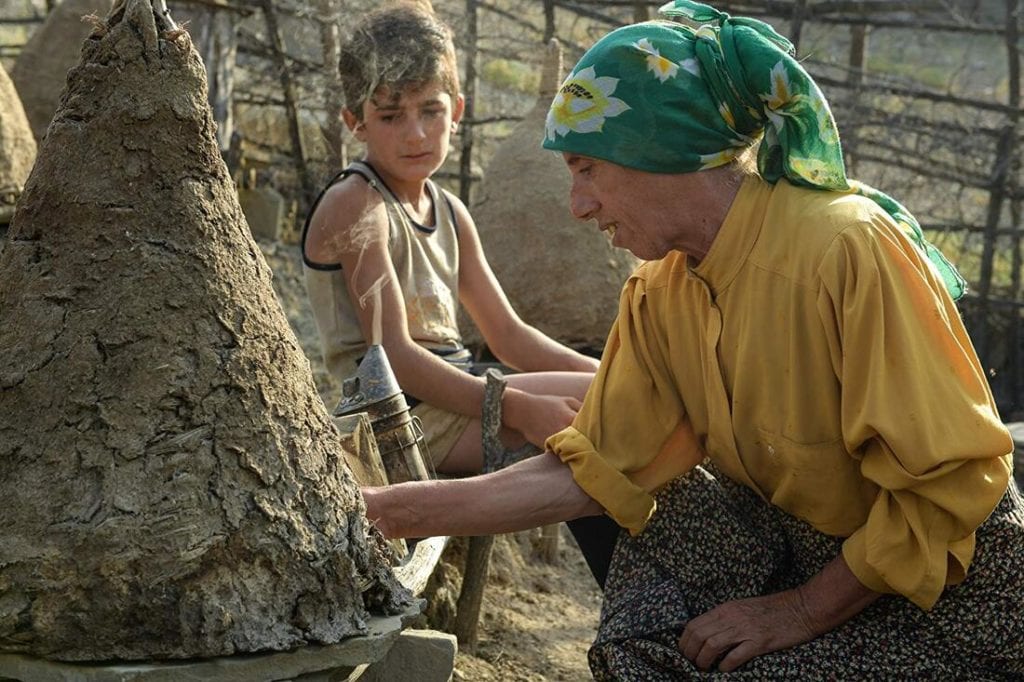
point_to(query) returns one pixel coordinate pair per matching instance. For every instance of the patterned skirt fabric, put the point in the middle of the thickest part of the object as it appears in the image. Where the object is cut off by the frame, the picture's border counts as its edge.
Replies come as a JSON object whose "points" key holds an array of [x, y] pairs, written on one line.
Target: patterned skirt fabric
{"points": [[713, 540]]}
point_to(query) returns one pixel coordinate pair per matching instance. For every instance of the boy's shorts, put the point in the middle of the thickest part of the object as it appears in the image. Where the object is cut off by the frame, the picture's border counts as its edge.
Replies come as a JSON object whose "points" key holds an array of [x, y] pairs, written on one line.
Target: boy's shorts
{"points": [[441, 430]]}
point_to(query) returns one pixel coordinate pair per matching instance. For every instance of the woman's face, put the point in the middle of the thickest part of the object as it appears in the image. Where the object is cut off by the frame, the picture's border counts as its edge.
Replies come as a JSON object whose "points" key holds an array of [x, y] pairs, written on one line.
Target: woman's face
{"points": [[623, 202]]}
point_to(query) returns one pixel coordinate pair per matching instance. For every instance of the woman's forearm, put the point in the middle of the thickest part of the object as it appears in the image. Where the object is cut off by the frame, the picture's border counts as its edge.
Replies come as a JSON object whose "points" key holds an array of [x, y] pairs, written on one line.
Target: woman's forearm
{"points": [[535, 492], [834, 595]]}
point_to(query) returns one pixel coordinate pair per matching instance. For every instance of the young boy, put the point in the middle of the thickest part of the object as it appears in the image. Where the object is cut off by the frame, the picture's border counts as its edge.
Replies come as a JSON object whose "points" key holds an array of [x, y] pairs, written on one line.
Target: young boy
{"points": [[387, 252]]}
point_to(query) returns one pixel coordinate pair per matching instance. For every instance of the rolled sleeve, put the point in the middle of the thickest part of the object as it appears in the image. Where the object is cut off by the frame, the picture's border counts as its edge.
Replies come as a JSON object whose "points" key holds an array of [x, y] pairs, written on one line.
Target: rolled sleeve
{"points": [[629, 505]]}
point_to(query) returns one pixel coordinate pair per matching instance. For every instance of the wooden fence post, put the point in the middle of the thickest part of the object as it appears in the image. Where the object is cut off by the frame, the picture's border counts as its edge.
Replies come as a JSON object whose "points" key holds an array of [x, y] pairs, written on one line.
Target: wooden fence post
{"points": [[796, 23], [997, 193], [469, 114], [641, 11], [549, 21], [1002, 172], [855, 77], [330, 39], [1013, 99], [217, 42], [291, 106]]}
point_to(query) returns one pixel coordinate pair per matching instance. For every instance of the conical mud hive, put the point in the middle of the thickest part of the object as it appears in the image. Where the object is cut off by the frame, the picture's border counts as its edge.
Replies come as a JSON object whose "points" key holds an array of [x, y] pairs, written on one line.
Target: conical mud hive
{"points": [[171, 483], [17, 148], [41, 70], [561, 275]]}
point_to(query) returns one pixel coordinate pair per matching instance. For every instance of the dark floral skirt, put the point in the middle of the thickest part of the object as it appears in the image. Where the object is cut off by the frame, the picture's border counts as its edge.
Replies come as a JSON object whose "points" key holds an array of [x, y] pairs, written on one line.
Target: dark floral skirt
{"points": [[713, 540]]}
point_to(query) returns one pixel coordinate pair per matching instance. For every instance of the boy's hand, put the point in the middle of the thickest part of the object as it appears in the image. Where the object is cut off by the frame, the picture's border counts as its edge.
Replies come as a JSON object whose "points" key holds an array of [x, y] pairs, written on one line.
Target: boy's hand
{"points": [[537, 416]]}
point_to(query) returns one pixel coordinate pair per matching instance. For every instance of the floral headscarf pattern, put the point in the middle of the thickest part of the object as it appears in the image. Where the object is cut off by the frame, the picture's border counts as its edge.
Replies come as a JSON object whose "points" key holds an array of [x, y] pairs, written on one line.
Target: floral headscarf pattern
{"points": [[667, 98]]}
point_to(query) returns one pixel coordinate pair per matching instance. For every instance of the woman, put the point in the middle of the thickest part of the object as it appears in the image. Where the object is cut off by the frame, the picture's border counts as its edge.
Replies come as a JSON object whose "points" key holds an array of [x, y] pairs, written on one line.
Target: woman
{"points": [[853, 518]]}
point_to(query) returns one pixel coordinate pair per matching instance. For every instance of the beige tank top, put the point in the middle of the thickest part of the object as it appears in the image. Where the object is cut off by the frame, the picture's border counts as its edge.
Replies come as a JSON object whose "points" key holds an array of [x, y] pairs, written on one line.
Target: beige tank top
{"points": [[426, 261]]}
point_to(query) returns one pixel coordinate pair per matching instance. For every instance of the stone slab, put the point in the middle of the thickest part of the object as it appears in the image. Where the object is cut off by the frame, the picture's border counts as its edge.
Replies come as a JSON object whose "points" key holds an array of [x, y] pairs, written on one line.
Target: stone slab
{"points": [[265, 210], [421, 655], [338, 659]]}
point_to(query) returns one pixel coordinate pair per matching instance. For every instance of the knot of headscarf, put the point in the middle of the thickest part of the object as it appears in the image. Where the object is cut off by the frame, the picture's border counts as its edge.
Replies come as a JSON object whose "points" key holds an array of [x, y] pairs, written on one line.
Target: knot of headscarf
{"points": [[667, 98]]}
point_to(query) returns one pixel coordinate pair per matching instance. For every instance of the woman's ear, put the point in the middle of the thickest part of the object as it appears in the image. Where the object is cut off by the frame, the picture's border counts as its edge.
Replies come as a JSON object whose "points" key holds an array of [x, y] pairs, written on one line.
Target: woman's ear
{"points": [[353, 123]]}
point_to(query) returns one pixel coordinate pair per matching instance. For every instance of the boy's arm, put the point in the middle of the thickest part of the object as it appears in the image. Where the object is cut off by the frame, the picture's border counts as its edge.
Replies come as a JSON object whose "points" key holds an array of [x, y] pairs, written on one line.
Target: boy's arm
{"points": [[512, 341], [350, 226]]}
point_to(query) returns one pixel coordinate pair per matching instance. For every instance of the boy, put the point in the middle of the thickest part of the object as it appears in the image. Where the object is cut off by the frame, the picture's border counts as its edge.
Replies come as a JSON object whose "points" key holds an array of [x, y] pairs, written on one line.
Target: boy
{"points": [[386, 253]]}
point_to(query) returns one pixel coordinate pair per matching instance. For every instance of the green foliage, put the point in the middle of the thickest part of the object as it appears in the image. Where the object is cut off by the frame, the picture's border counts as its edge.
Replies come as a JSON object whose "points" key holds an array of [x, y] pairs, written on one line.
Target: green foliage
{"points": [[934, 76], [511, 75]]}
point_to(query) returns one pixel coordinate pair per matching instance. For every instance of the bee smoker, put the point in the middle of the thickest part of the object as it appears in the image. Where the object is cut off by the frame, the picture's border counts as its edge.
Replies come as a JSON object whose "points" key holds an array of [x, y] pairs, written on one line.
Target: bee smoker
{"points": [[373, 389]]}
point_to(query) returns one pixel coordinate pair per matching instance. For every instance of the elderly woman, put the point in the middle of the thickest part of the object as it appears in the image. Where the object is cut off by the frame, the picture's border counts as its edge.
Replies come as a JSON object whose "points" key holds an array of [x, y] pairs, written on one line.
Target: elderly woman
{"points": [[789, 418]]}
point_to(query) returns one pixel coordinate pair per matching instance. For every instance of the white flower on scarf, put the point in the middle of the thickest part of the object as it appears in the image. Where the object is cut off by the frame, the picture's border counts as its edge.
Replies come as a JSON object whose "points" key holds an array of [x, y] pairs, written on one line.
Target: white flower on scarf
{"points": [[664, 68], [781, 95], [583, 103]]}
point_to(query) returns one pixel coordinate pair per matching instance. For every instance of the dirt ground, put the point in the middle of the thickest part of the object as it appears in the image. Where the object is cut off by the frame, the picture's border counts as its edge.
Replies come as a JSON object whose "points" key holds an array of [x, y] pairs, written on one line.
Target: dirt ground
{"points": [[537, 620]]}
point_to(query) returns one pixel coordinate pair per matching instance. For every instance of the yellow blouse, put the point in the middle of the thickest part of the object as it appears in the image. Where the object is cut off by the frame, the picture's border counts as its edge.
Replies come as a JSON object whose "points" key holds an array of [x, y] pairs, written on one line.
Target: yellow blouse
{"points": [[814, 356]]}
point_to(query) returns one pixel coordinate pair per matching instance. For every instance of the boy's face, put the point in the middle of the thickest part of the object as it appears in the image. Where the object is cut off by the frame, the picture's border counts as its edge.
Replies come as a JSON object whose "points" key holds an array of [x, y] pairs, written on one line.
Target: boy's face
{"points": [[407, 134]]}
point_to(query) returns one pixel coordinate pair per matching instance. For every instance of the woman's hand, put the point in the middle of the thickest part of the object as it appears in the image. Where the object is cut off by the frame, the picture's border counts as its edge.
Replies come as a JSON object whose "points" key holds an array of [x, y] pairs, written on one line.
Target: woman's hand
{"points": [[537, 416], [376, 505], [737, 631]]}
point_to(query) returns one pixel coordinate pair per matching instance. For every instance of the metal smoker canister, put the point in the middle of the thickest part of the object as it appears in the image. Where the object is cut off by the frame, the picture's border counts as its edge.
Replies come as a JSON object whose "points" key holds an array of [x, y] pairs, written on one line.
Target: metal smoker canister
{"points": [[373, 389]]}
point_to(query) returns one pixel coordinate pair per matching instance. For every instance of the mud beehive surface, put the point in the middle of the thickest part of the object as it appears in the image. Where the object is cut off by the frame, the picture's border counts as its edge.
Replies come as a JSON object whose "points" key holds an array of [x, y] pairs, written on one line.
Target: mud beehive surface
{"points": [[172, 483]]}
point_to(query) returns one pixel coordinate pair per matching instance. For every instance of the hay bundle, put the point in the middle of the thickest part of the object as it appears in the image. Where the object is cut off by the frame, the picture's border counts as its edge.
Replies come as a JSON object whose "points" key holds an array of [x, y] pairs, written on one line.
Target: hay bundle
{"points": [[561, 275], [17, 147], [172, 485]]}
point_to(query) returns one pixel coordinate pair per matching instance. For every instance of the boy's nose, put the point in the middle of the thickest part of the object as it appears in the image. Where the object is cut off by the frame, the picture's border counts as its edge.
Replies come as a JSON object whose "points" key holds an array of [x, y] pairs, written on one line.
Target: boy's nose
{"points": [[416, 130]]}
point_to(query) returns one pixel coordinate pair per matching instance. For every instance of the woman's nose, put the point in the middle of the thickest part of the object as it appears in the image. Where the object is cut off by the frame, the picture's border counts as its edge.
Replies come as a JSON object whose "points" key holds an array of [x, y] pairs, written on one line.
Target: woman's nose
{"points": [[581, 204]]}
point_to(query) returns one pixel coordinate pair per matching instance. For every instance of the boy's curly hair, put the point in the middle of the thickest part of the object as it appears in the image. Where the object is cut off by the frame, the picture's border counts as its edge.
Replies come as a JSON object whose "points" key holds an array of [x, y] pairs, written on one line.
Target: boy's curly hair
{"points": [[398, 47]]}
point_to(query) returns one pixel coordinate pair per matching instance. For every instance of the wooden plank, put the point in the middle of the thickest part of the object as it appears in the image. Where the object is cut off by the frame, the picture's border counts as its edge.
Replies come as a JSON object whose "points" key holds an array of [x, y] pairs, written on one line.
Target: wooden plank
{"points": [[415, 571]]}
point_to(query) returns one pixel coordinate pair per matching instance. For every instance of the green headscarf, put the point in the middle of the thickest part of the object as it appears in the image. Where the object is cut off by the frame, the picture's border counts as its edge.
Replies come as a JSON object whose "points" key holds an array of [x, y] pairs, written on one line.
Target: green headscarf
{"points": [[667, 98]]}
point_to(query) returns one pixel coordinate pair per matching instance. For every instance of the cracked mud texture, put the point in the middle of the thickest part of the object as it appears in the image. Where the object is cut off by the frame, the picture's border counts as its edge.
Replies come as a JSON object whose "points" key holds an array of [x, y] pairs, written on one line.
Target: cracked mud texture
{"points": [[171, 483]]}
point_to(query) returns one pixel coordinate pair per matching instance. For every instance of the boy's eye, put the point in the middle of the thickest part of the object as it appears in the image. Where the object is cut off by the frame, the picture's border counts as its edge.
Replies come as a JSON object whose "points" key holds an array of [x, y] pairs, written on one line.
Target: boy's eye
{"points": [[434, 112]]}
